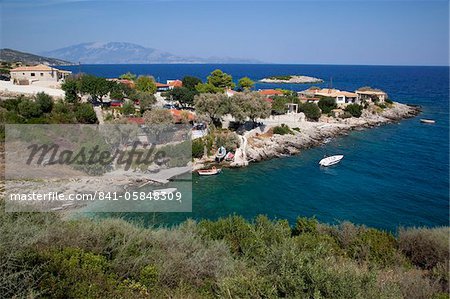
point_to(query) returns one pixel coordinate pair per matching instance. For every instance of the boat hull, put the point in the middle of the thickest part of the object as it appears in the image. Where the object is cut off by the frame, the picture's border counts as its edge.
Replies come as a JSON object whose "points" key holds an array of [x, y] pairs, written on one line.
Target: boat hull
{"points": [[332, 160], [208, 172], [427, 121]]}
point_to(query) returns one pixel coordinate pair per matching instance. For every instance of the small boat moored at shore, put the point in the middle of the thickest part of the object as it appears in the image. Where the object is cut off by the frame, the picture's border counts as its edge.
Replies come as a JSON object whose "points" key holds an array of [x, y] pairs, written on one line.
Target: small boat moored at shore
{"points": [[427, 121], [328, 161], [211, 171], [220, 155]]}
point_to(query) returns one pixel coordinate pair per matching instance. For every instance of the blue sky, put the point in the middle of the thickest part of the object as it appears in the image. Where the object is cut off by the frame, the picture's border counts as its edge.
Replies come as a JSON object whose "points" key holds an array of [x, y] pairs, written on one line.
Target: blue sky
{"points": [[312, 32]]}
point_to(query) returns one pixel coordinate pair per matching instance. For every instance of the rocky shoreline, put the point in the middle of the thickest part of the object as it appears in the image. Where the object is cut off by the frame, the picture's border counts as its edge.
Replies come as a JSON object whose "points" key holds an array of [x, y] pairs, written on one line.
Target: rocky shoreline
{"points": [[263, 145]]}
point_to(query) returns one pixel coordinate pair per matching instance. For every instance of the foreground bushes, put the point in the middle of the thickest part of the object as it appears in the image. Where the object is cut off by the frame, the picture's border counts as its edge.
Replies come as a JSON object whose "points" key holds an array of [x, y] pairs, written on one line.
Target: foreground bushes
{"points": [[42, 256]]}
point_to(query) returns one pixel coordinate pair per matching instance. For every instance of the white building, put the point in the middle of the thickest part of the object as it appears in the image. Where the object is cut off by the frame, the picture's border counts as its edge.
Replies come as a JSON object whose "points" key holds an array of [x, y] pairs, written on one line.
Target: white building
{"points": [[26, 75], [371, 95], [341, 97]]}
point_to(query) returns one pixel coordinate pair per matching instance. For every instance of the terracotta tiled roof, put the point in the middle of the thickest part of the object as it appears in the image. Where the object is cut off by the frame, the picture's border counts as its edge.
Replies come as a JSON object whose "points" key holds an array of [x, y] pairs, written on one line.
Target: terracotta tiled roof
{"points": [[161, 84], [327, 92], [176, 83], [37, 68], [270, 92]]}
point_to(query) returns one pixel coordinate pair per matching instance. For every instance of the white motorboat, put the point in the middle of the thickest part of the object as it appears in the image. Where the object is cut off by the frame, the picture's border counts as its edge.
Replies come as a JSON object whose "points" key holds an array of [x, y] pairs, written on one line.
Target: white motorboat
{"points": [[427, 121], [328, 161], [211, 171]]}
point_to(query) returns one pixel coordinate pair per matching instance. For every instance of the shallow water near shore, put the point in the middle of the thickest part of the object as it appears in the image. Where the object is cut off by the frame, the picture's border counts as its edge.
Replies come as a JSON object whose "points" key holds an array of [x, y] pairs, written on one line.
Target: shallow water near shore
{"points": [[392, 175]]}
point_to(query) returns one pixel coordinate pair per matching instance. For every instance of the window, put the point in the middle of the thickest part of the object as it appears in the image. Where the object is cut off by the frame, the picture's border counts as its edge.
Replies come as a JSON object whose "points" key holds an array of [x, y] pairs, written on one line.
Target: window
{"points": [[42, 74], [33, 74]]}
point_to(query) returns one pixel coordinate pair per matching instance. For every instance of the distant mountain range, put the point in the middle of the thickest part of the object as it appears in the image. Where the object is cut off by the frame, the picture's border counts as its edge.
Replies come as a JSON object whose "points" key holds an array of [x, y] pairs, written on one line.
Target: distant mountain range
{"points": [[128, 53], [9, 55]]}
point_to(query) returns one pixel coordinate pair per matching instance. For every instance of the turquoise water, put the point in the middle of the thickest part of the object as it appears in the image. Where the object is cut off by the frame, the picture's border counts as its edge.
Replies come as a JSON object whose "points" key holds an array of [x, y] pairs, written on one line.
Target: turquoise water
{"points": [[391, 175]]}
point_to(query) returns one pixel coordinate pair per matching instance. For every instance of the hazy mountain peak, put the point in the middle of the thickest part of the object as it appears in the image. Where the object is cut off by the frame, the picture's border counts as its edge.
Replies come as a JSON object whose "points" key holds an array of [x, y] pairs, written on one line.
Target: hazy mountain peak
{"points": [[128, 53]]}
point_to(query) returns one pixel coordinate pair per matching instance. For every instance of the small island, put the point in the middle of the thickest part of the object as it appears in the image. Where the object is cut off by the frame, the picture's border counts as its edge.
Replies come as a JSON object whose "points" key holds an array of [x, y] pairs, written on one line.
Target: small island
{"points": [[291, 79]]}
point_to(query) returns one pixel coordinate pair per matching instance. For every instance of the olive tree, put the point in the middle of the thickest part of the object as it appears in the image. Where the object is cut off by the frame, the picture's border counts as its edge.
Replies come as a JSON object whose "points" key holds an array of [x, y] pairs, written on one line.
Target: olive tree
{"points": [[146, 84], [246, 83], [251, 105], [213, 105], [158, 121]]}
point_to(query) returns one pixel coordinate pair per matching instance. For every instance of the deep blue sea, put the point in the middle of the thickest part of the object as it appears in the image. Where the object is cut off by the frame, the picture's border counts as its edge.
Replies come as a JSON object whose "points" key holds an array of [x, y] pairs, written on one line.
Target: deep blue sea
{"points": [[393, 175]]}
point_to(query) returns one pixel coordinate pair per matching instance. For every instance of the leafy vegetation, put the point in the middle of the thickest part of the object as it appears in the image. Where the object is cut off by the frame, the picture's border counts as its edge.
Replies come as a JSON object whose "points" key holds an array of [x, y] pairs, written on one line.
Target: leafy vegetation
{"points": [[280, 77], [354, 109], [128, 76], [282, 130], [311, 110], [44, 256], [191, 82], [197, 148], [327, 104], [41, 109], [146, 84], [182, 95], [248, 105], [246, 83], [279, 103]]}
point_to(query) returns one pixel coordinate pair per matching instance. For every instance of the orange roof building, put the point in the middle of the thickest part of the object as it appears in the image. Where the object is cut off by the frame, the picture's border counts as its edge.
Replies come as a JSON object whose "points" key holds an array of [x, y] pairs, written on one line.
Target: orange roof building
{"points": [[270, 92], [174, 83], [41, 72]]}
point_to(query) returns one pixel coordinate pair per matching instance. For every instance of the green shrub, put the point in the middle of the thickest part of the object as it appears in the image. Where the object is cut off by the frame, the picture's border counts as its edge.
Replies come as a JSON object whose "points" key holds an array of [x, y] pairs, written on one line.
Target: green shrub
{"points": [[305, 225], [282, 130], [44, 256], [425, 247], [235, 230], [12, 104], [128, 108], [229, 140], [375, 246], [327, 104], [414, 285], [197, 148], [345, 115], [389, 101], [149, 276], [85, 114], [354, 109], [29, 109], [311, 111], [44, 101], [74, 273]]}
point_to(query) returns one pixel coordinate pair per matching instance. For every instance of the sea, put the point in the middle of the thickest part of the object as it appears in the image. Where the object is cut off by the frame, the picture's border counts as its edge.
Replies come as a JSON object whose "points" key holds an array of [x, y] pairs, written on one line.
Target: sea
{"points": [[392, 176]]}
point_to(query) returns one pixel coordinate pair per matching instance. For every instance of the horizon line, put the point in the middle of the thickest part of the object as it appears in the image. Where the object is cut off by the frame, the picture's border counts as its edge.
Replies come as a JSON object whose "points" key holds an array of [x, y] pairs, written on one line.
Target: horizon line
{"points": [[262, 63]]}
